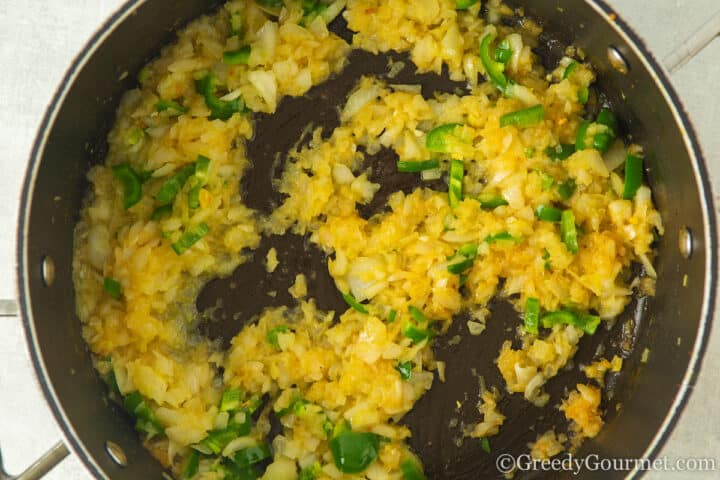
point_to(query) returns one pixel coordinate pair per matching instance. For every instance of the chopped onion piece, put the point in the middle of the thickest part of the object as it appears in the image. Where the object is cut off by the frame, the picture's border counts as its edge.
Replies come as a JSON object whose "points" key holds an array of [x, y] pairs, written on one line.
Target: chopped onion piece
{"points": [[358, 99], [264, 83], [429, 175], [615, 156]]}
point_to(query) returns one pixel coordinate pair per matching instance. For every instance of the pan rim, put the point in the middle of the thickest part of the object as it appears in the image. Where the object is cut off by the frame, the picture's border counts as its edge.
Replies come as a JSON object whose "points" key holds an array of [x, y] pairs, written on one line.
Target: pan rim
{"points": [[22, 274], [632, 40], [692, 145]]}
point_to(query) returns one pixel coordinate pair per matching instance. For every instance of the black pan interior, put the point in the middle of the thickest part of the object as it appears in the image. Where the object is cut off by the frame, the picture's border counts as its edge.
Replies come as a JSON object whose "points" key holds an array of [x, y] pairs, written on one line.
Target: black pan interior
{"points": [[642, 395]]}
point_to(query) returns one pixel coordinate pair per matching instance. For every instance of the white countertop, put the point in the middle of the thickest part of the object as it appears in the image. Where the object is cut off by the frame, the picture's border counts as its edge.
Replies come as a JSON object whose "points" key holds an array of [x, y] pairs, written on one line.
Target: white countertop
{"points": [[40, 38]]}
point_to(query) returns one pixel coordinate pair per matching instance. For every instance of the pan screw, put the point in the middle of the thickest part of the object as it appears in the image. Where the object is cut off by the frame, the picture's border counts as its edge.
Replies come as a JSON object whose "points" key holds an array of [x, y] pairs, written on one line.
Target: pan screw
{"points": [[47, 270], [617, 61], [116, 453], [685, 242]]}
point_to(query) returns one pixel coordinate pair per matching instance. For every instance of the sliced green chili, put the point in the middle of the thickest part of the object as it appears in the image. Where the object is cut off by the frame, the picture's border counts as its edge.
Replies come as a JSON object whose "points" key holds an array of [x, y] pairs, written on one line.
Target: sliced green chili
{"points": [[491, 201], [161, 212], [236, 23], [455, 189], [524, 118], [217, 440], [171, 107], [463, 258], [468, 250], [603, 138], [546, 181], [603, 141], [417, 314], [297, 406], [191, 465], [411, 470], [580, 138], [190, 238], [353, 452], [583, 95], [498, 237], [130, 181], [135, 136], [570, 69], [568, 231], [231, 399], [327, 427], [219, 109], [485, 444], [560, 151], [586, 322], [272, 335], [237, 57], [391, 316], [112, 287], [414, 333], [417, 333], [607, 117], [493, 68], [548, 213], [202, 166], [406, 166], [532, 315], [404, 369], [633, 176], [567, 188], [311, 9], [503, 52], [464, 4], [252, 455], [169, 190], [350, 300], [194, 197], [461, 266], [146, 421], [310, 472], [440, 138], [145, 175]]}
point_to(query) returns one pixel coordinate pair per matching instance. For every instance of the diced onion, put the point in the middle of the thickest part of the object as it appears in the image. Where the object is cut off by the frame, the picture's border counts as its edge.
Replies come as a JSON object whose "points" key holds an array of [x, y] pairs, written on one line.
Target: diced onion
{"points": [[264, 83], [358, 99], [429, 175]]}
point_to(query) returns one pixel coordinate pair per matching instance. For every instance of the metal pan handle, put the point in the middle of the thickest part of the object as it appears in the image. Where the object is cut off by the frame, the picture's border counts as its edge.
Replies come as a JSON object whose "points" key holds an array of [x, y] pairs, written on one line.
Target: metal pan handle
{"points": [[9, 308], [42, 466]]}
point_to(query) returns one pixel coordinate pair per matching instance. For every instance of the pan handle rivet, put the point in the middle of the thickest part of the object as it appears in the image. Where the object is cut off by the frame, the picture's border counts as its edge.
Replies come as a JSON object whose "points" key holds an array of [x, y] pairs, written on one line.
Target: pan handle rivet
{"points": [[617, 61], [116, 453], [47, 270], [685, 242]]}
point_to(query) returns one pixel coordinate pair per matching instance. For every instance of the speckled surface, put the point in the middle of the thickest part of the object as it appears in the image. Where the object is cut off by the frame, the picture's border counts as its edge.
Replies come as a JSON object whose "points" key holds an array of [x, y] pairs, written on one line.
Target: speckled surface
{"points": [[39, 39]]}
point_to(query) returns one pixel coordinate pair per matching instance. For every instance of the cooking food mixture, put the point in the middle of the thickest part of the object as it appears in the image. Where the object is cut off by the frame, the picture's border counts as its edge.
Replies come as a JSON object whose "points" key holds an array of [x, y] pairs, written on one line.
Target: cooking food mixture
{"points": [[544, 205]]}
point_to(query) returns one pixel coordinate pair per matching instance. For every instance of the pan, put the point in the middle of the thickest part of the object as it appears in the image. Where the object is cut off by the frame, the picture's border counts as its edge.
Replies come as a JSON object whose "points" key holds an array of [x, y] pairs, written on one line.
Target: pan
{"points": [[645, 401]]}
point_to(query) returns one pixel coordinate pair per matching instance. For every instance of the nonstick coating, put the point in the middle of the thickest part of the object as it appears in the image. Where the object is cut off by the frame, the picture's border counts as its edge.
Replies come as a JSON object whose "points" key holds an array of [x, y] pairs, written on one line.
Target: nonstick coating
{"points": [[646, 398]]}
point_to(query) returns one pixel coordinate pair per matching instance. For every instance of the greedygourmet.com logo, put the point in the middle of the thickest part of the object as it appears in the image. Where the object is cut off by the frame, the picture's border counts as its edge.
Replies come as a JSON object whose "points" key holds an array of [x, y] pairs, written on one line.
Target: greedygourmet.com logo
{"points": [[507, 463]]}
